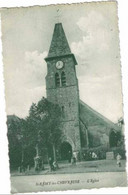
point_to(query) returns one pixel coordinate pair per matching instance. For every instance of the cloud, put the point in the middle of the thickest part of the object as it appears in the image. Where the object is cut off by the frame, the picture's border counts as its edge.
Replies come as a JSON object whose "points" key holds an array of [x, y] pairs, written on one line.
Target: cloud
{"points": [[92, 20], [22, 100], [26, 84], [96, 38], [35, 68], [99, 40], [99, 67], [102, 94]]}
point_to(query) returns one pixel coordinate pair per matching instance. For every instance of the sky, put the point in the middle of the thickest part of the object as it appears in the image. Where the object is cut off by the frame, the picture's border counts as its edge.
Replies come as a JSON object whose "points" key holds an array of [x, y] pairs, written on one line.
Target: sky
{"points": [[92, 33]]}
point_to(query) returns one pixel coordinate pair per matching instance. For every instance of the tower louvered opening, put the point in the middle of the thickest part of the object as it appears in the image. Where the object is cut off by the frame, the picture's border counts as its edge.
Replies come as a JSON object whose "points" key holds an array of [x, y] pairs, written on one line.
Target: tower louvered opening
{"points": [[63, 79], [57, 80]]}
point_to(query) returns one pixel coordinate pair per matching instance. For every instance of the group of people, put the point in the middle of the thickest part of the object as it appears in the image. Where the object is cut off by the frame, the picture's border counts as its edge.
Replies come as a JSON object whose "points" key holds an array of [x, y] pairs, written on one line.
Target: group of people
{"points": [[118, 158], [54, 165], [90, 156], [94, 156]]}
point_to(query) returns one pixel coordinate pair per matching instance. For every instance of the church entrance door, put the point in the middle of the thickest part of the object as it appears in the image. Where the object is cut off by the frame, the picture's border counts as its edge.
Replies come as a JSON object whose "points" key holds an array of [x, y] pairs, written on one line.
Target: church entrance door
{"points": [[114, 138], [66, 151]]}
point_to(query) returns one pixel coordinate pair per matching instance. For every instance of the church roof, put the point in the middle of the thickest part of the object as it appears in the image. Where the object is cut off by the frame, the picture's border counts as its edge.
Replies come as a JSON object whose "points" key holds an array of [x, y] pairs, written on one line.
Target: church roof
{"points": [[92, 118], [59, 44]]}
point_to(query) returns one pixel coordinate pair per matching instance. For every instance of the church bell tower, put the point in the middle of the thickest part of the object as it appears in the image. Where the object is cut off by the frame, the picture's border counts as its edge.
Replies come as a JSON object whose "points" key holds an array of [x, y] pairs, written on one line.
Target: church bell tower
{"points": [[62, 86]]}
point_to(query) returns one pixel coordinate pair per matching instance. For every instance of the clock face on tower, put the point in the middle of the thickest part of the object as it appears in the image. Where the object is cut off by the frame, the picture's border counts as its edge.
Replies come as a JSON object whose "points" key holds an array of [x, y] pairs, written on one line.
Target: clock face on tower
{"points": [[59, 64]]}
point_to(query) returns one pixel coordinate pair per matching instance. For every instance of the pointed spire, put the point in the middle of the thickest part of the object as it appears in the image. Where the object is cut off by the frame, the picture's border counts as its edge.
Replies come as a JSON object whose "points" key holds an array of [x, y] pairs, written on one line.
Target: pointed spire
{"points": [[59, 44]]}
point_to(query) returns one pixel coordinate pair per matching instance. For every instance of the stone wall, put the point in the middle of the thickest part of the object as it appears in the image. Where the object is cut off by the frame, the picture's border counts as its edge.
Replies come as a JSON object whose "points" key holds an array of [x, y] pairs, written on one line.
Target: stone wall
{"points": [[67, 97], [69, 69]]}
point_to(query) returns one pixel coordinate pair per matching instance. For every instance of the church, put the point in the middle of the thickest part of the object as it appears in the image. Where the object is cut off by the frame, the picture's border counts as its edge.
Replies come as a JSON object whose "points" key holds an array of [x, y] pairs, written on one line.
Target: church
{"points": [[82, 126]]}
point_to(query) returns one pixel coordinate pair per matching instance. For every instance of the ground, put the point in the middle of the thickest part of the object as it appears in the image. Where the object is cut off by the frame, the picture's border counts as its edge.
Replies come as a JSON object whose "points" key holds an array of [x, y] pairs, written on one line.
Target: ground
{"points": [[91, 174], [80, 167]]}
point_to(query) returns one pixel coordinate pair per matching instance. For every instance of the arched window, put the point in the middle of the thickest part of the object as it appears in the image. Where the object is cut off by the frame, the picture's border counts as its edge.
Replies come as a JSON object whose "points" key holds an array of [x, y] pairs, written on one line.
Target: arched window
{"points": [[57, 80], [63, 79], [114, 138]]}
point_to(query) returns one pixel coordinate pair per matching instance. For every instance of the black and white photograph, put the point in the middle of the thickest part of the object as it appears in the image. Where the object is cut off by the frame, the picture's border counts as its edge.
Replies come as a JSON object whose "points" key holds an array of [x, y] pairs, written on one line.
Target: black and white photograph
{"points": [[63, 95]]}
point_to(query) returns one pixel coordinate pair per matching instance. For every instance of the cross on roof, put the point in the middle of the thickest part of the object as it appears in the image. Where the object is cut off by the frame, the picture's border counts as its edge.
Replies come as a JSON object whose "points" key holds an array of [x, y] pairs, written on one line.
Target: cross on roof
{"points": [[58, 15]]}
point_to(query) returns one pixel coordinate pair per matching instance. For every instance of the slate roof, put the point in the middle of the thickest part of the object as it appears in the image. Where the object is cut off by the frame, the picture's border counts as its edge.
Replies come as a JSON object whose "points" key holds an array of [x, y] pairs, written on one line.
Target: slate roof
{"points": [[92, 118], [59, 44]]}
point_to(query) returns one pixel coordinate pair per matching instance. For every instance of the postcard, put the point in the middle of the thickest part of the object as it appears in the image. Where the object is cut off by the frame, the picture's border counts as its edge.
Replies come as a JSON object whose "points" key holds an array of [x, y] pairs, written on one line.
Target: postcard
{"points": [[63, 93]]}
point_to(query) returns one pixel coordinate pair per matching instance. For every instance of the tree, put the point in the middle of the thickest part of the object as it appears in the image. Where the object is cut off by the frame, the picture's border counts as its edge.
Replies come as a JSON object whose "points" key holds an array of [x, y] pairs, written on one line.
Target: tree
{"points": [[15, 147], [44, 124], [37, 134], [51, 130]]}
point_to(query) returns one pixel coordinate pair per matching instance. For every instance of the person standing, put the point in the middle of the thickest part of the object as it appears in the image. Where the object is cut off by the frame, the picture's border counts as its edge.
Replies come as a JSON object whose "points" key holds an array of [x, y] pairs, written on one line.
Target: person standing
{"points": [[69, 156], [51, 164], [118, 158], [94, 156]]}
